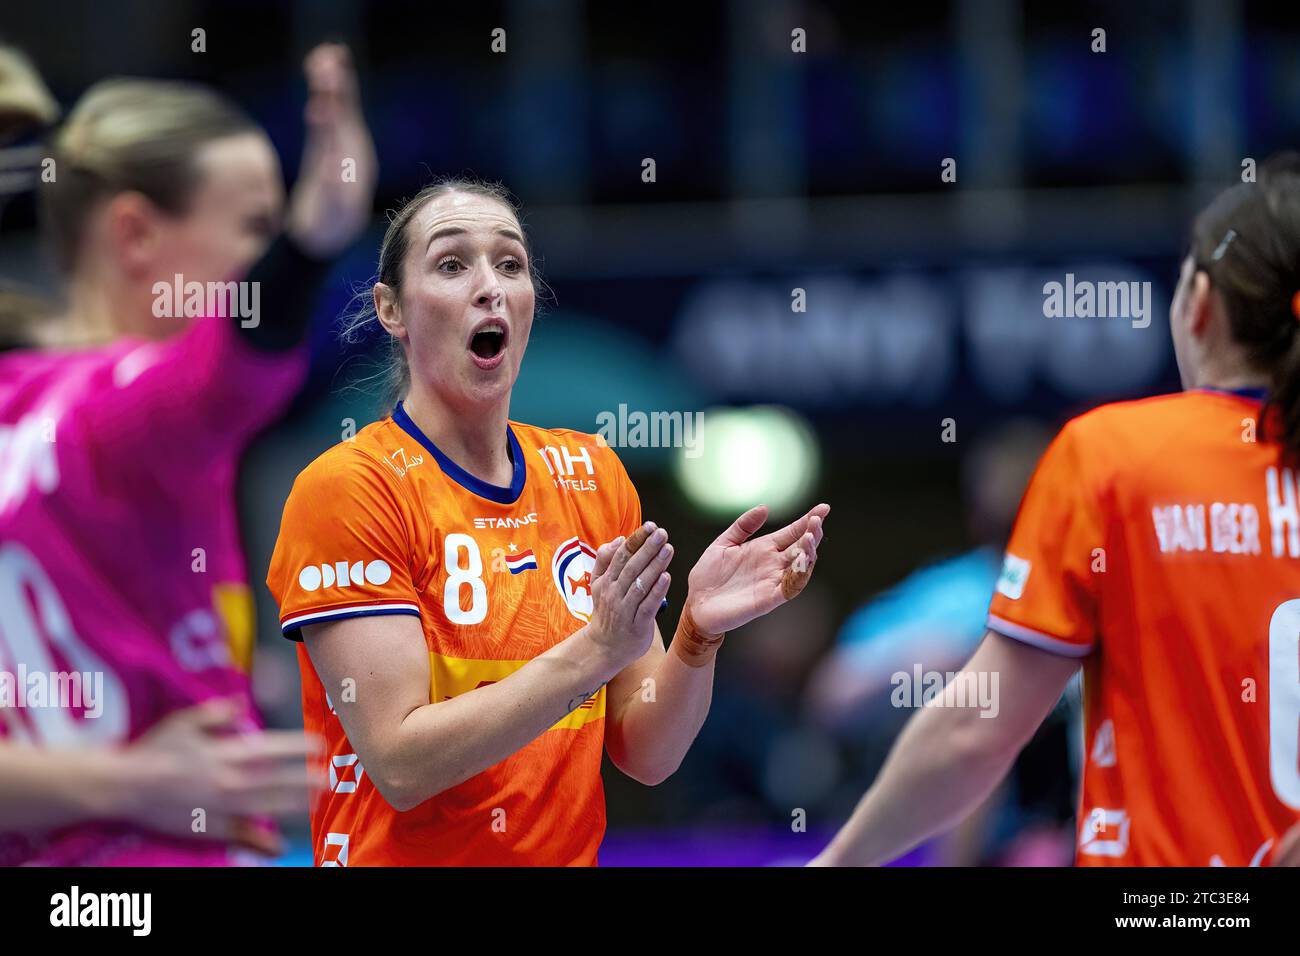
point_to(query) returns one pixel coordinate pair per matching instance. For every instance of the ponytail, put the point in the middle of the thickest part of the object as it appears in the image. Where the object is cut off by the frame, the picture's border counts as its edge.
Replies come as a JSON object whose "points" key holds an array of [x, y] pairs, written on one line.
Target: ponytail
{"points": [[1284, 400], [1248, 242]]}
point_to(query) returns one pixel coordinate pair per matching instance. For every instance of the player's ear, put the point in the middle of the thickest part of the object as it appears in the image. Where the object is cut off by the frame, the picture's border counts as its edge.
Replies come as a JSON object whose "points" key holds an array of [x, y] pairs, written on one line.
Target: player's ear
{"points": [[388, 311], [133, 226], [1202, 303]]}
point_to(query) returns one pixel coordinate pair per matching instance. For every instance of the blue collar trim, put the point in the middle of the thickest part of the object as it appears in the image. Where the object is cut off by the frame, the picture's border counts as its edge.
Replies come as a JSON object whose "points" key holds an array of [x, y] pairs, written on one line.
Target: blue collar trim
{"points": [[501, 495], [1258, 393]]}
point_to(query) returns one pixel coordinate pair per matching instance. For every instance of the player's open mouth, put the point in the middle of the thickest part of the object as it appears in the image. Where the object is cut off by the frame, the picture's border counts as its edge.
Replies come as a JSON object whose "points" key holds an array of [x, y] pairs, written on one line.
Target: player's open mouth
{"points": [[487, 343]]}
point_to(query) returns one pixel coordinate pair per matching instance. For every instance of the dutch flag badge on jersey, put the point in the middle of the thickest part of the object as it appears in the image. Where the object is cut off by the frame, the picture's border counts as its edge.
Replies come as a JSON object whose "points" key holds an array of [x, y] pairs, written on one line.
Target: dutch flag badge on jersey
{"points": [[523, 561]]}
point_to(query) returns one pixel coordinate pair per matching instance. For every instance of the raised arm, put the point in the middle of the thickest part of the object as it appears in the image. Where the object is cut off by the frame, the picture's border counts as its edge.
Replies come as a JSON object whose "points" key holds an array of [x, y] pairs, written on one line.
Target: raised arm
{"points": [[227, 376], [948, 758]]}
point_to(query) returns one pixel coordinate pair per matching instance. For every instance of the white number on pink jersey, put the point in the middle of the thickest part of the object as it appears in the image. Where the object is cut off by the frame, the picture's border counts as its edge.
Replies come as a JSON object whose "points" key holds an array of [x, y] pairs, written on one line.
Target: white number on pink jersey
{"points": [[471, 574], [21, 642], [1284, 702]]}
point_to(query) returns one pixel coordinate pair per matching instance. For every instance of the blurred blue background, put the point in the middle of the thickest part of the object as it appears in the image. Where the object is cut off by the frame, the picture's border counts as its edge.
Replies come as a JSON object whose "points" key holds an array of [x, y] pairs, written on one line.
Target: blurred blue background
{"points": [[776, 171]]}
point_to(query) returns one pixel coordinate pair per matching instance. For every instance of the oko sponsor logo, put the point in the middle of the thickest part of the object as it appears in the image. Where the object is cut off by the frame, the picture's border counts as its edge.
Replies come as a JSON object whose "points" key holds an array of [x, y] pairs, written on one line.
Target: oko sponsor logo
{"points": [[344, 574]]}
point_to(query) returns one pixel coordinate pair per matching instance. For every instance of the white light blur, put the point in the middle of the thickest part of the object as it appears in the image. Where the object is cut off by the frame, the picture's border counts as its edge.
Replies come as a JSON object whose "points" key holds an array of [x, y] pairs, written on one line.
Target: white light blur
{"points": [[764, 454]]}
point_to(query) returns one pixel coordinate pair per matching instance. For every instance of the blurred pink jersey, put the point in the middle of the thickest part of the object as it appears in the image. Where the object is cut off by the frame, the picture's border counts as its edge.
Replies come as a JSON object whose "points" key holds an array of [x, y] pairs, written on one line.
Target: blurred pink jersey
{"points": [[120, 558]]}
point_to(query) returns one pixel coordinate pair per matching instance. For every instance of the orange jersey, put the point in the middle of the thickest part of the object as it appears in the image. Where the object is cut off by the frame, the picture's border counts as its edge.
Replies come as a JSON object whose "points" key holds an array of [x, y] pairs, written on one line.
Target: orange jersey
{"points": [[387, 524], [1160, 542]]}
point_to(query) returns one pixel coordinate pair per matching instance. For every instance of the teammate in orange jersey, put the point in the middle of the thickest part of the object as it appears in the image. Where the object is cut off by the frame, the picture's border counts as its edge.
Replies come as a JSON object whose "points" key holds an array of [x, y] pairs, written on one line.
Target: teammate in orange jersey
{"points": [[467, 652], [1158, 546]]}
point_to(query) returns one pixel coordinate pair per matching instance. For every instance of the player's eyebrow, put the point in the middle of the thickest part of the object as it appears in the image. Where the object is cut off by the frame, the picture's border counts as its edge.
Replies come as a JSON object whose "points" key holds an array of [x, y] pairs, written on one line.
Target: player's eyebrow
{"points": [[460, 231]]}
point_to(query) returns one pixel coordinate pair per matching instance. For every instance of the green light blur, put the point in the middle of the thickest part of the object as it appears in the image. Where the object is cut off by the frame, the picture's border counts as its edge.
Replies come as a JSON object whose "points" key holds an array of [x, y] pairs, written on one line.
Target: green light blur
{"points": [[765, 454]]}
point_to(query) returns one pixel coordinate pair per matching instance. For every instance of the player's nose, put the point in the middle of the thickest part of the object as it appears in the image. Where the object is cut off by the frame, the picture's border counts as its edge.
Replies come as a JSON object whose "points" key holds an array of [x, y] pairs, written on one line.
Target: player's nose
{"points": [[488, 292]]}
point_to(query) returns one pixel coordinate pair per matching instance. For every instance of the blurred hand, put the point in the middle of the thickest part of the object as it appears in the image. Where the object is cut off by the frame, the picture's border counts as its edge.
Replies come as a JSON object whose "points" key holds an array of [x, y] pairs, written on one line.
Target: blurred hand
{"points": [[737, 580], [1288, 851], [630, 583], [199, 759], [326, 212]]}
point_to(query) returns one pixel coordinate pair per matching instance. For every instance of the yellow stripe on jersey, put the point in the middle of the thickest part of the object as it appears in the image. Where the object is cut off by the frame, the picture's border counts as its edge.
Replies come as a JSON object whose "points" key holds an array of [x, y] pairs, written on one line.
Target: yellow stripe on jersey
{"points": [[234, 606], [452, 676]]}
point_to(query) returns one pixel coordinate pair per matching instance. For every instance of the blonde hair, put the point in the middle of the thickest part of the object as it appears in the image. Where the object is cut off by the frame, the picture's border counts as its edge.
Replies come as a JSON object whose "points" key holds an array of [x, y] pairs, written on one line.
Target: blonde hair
{"points": [[25, 101], [131, 135]]}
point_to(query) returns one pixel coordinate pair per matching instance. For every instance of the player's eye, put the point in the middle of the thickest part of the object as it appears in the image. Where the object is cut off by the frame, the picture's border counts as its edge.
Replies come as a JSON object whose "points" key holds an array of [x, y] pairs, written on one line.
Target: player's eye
{"points": [[449, 264], [512, 266]]}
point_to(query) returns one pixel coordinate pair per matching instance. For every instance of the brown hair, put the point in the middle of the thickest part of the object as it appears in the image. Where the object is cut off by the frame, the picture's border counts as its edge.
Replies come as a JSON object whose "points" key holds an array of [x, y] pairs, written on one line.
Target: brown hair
{"points": [[395, 373], [1248, 242], [131, 135]]}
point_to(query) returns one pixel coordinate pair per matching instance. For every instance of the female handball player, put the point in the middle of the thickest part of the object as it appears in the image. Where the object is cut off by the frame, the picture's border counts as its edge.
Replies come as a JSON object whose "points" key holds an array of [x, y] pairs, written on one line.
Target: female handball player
{"points": [[1158, 547], [476, 597], [130, 736]]}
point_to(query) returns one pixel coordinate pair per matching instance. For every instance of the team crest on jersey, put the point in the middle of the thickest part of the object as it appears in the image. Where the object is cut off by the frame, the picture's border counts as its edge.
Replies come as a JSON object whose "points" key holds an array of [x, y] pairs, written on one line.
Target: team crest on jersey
{"points": [[573, 568]]}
